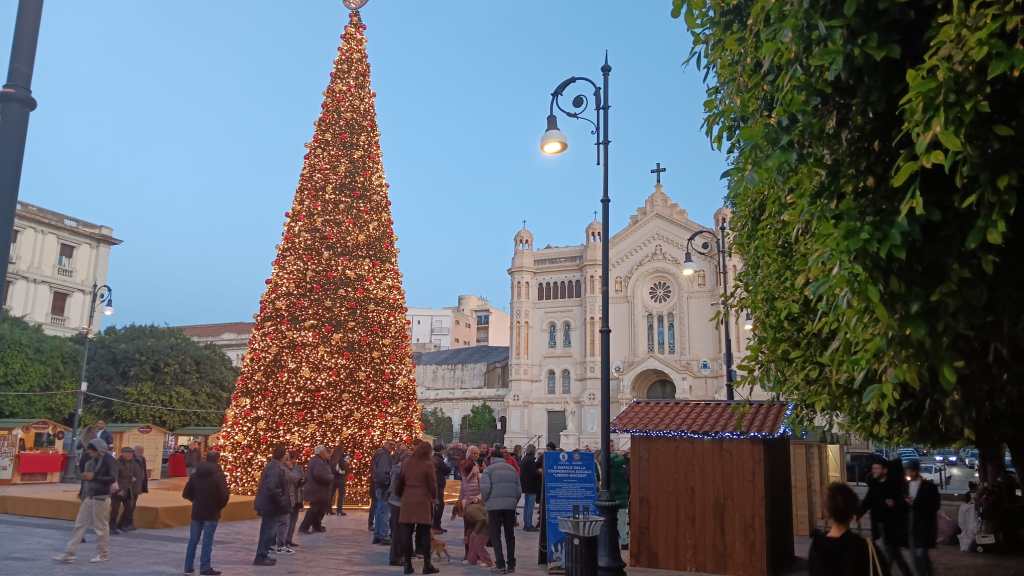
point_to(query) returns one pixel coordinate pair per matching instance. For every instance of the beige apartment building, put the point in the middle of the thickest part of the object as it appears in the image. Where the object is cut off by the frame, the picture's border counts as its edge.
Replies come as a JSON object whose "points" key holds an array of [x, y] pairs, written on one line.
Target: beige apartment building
{"points": [[473, 322], [54, 262], [231, 337]]}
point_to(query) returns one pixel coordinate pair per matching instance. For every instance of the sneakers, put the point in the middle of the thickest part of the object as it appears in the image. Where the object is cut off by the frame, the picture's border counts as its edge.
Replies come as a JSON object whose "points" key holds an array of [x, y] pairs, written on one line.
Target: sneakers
{"points": [[264, 562], [65, 558], [99, 558], [209, 572], [285, 550]]}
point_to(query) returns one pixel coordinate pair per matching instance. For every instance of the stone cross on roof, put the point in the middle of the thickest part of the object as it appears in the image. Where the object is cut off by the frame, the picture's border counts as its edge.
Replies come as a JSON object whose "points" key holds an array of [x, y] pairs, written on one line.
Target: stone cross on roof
{"points": [[657, 172]]}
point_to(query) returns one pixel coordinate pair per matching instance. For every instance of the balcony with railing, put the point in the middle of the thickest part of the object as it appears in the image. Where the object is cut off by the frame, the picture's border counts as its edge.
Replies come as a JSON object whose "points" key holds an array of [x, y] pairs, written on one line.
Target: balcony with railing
{"points": [[58, 321], [65, 268]]}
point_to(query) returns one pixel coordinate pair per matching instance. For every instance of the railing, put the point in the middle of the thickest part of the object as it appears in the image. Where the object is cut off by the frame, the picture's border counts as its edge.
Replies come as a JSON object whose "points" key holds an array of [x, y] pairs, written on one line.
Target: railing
{"points": [[58, 321], [439, 330], [65, 272]]}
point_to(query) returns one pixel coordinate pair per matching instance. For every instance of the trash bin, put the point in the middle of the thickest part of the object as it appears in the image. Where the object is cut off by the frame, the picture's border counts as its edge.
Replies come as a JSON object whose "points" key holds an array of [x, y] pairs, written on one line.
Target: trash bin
{"points": [[581, 544]]}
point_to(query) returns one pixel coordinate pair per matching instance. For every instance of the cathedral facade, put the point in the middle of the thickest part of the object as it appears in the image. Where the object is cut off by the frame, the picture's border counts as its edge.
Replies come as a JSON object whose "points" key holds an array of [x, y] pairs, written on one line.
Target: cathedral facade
{"points": [[665, 340]]}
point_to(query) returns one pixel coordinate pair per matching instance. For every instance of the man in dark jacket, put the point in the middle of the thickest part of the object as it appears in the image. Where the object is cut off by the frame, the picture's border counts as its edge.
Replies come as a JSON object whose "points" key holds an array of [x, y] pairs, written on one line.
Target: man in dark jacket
{"points": [[339, 466], [529, 479], [380, 478], [141, 486], [442, 470], [317, 490], [207, 489], [271, 502], [193, 458], [924, 502], [122, 498], [888, 513], [96, 469]]}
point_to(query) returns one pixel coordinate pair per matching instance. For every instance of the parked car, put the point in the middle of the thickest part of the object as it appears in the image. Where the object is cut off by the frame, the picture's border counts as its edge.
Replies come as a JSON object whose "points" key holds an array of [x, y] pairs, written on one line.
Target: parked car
{"points": [[932, 472], [969, 456], [948, 456], [908, 454], [858, 465]]}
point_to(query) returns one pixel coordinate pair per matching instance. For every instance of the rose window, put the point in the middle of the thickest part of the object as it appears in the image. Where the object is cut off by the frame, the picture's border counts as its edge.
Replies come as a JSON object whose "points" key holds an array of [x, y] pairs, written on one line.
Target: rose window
{"points": [[660, 292]]}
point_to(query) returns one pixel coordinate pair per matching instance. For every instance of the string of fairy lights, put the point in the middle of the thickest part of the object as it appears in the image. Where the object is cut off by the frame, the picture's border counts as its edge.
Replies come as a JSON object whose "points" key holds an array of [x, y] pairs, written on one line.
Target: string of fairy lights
{"points": [[329, 359]]}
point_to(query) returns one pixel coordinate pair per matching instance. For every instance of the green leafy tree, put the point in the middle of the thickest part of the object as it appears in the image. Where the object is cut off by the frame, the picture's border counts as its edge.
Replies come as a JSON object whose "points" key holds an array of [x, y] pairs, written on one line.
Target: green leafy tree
{"points": [[159, 367], [437, 424], [31, 361], [481, 419], [875, 169]]}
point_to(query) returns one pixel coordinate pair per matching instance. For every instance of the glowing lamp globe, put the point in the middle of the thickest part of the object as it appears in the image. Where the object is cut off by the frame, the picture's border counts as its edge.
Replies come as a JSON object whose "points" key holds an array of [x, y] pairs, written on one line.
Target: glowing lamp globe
{"points": [[553, 142]]}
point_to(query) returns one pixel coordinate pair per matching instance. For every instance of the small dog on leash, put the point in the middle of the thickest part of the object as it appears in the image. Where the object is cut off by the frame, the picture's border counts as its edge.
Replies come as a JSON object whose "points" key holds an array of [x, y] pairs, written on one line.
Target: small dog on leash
{"points": [[439, 547]]}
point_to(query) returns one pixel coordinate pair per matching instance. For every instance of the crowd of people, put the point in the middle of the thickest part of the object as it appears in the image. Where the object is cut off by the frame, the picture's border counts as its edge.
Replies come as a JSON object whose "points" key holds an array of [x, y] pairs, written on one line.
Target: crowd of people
{"points": [[407, 493], [903, 506]]}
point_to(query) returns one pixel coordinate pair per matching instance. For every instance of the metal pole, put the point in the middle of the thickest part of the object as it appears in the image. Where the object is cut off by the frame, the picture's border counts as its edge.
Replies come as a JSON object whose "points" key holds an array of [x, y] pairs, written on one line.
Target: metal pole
{"points": [[730, 375], [16, 102], [609, 558], [72, 467]]}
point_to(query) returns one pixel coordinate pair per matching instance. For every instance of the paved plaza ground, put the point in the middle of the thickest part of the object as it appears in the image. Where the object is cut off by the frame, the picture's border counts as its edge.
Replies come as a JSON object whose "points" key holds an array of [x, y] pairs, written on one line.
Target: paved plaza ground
{"points": [[29, 543]]}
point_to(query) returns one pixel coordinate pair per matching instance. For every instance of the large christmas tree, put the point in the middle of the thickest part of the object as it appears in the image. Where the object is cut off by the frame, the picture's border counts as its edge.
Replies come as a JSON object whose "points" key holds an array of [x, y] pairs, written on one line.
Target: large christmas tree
{"points": [[329, 359]]}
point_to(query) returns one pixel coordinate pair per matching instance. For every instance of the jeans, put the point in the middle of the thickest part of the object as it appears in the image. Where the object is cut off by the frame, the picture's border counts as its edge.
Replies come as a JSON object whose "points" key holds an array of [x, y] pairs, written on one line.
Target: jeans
{"points": [[337, 487], [314, 516], [528, 501], [92, 513], [421, 542], [396, 553], [268, 533], [381, 522], [121, 509], [922, 563], [282, 530], [373, 507], [204, 528], [293, 519], [506, 519]]}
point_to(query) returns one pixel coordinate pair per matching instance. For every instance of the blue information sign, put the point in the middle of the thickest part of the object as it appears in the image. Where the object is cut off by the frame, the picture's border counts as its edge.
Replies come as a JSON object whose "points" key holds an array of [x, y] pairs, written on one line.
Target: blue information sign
{"points": [[570, 482]]}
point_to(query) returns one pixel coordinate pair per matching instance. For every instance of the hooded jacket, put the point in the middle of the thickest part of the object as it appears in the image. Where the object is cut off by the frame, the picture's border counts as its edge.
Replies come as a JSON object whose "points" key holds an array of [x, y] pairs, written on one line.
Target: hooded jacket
{"points": [[103, 469], [207, 489], [499, 486]]}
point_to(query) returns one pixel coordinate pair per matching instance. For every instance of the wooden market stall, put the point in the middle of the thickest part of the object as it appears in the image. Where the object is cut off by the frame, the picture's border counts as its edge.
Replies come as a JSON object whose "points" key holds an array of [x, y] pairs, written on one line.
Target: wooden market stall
{"points": [[151, 437], [709, 486], [207, 436], [31, 451]]}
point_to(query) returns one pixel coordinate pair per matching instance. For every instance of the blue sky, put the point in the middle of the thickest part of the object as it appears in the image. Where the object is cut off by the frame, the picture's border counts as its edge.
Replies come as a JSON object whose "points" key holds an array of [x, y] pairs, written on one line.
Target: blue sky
{"points": [[181, 125]]}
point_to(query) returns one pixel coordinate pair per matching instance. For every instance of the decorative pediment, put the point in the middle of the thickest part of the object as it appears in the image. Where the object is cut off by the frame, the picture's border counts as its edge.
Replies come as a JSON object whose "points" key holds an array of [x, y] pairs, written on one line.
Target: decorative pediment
{"points": [[659, 203], [658, 254]]}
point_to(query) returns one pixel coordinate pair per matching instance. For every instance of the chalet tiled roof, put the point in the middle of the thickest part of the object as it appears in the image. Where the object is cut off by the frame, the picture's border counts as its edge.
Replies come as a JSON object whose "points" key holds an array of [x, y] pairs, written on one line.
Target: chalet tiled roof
{"points": [[703, 419], [213, 330]]}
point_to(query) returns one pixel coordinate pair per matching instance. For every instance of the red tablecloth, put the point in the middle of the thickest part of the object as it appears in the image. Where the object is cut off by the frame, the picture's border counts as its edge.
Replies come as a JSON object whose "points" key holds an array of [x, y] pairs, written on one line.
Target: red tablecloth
{"points": [[37, 462], [176, 465]]}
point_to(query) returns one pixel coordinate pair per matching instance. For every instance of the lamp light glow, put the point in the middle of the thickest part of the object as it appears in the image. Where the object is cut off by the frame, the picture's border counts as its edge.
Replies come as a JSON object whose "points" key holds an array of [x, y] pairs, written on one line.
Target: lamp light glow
{"points": [[689, 266], [553, 142]]}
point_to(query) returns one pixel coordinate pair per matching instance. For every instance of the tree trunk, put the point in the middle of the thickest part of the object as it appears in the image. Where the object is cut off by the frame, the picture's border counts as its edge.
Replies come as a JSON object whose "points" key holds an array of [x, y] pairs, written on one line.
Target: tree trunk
{"points": [[990, 458]]}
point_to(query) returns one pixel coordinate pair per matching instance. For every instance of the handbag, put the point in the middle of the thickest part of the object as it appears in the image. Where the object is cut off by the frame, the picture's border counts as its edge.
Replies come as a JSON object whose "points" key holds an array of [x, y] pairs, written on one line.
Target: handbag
{"points": [[874, 565]]}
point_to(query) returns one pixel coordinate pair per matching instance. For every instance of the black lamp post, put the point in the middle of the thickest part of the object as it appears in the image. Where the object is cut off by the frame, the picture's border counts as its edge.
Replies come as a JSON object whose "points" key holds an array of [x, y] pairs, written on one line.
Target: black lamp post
{"points": [[100, 295], [717, 246], [609, 559], [16, 102]]}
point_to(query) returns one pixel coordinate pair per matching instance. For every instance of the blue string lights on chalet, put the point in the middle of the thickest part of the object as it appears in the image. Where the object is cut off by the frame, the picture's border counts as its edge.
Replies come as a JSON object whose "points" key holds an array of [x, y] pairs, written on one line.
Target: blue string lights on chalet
{"points": [[329, 361], [729, 420]]}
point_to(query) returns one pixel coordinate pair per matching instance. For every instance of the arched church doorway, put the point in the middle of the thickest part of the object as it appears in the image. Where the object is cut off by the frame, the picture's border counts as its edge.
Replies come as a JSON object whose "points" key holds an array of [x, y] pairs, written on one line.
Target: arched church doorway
{"points": [[661, 390]]}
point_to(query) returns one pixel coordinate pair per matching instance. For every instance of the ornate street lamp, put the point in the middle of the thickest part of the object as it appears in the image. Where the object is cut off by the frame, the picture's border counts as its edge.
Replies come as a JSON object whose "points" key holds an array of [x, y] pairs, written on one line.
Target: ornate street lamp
{"points": [[100, 295], [716, 246], [554, 142]]}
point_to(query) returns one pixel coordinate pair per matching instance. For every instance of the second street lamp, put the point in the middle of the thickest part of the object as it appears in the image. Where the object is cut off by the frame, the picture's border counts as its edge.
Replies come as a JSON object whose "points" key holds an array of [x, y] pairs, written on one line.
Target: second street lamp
{"points": [[100, 295], [553, 142], [716, 246]]}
